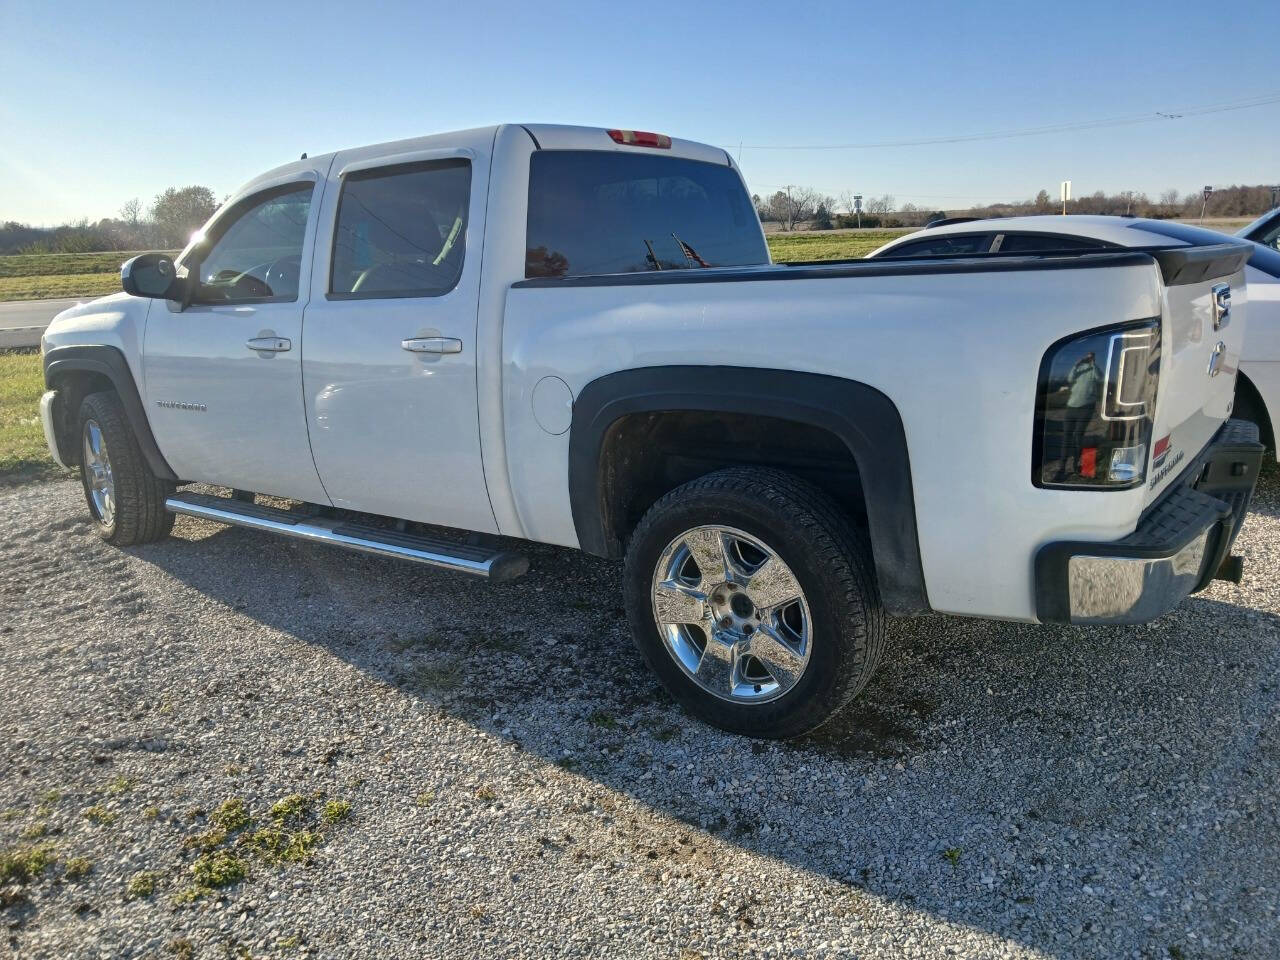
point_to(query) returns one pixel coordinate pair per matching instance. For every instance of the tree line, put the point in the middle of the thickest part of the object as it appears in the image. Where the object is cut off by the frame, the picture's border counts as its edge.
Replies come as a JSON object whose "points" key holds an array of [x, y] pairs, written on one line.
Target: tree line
{"points": [[814, 210], [167, 224], [179, 211]]}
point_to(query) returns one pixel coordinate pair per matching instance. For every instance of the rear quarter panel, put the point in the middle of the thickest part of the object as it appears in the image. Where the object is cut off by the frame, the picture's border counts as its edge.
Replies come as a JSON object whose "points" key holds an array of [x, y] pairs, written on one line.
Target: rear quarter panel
{"points": [[958, 354]]}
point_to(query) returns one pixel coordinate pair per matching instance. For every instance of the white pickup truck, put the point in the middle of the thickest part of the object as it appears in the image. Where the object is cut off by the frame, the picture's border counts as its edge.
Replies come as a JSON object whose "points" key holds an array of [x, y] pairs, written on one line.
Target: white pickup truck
{"points": [[576, 336]]}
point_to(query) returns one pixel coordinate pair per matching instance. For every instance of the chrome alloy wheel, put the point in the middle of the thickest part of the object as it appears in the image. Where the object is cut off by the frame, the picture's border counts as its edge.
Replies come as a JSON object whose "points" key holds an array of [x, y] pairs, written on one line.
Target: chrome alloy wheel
{"points": [[97, 473], [731, 614]]}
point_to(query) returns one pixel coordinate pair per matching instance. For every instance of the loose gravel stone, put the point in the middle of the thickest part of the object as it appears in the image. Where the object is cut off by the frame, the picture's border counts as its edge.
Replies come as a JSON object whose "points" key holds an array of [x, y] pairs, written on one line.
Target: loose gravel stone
{"points": [[519, 786]]}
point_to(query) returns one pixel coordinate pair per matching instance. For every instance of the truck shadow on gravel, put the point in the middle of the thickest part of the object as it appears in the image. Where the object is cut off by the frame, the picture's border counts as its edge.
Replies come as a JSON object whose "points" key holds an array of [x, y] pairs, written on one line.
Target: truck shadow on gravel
{"points": [[1051, 785]]}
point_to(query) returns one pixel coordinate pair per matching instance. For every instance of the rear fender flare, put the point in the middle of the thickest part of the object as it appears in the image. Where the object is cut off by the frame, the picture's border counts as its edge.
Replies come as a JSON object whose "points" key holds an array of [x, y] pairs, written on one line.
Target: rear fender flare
{"points": [[862, 417]]}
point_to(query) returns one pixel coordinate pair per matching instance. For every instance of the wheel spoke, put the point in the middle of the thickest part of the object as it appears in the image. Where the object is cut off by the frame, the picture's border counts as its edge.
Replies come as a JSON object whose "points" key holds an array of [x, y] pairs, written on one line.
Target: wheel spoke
{"points": [[716, 667], [95, 441], [776, 655], [773, 585], [676, 603], [707, 546]]}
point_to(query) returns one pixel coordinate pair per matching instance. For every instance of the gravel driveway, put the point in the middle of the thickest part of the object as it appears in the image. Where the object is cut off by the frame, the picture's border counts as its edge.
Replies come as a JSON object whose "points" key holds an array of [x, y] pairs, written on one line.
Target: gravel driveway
{"points": [[228, 745]]}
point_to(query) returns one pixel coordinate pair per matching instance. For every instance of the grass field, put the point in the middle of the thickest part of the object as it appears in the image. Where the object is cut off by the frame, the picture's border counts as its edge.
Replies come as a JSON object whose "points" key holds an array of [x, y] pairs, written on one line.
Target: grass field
{"points": [[59, 285], [828, 244], [39, 276], [23, 454]]}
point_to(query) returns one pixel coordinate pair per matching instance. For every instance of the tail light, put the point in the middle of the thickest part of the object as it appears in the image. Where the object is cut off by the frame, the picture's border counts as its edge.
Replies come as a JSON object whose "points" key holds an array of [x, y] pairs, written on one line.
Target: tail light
{"points": [[640, 138], [1095, 407]]}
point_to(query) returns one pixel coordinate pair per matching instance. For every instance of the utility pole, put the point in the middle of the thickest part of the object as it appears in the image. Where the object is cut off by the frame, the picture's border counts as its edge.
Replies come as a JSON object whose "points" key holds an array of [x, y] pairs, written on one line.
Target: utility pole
{"points": [[791, 211], [1065, 190], [1208, 192]]}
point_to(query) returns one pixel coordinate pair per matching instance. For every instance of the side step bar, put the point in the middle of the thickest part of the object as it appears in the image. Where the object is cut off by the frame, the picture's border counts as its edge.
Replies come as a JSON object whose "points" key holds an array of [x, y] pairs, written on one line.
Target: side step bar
{"points": [[497, 565]]}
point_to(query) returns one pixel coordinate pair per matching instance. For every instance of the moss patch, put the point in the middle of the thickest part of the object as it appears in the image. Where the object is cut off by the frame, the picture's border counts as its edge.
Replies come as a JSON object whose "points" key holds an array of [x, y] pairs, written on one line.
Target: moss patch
{"points": [[99, 814], [26, 863], [334, 811], [142, 884], [218, 869], [232, 815], [78, 868]]}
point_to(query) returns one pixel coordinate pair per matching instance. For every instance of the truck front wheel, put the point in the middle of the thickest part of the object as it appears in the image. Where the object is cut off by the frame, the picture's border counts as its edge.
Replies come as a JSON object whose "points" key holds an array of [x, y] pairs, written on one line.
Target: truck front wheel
{"points": [[753, 599], [124, 496]]}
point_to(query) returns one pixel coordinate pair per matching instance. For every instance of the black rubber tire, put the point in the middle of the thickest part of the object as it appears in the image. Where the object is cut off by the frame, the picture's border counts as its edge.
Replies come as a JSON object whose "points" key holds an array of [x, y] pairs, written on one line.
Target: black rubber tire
{"points": [[140, 516], [830, 559]]}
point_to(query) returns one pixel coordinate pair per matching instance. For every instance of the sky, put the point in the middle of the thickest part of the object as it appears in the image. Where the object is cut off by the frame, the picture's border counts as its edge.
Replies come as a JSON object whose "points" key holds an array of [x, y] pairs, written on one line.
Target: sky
{"points": [[103, 103]]}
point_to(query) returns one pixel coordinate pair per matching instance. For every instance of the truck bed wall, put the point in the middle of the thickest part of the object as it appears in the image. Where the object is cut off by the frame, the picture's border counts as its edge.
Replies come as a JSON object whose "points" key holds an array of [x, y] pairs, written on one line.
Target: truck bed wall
{"points": [[958, 353]]}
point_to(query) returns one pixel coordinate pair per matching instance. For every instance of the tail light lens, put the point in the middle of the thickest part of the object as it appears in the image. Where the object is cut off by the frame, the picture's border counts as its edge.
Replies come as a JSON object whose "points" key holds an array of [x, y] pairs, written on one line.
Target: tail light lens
{"points": [[1095, 406]]}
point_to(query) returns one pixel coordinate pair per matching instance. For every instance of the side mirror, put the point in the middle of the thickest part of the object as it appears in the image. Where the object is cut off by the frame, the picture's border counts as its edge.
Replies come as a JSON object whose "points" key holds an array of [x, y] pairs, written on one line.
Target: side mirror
{"points": [[151, 275]]}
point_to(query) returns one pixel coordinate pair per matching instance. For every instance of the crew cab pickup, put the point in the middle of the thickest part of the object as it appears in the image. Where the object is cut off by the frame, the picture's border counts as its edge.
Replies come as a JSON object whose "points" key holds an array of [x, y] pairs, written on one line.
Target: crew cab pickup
{"points": [[424, 349]]}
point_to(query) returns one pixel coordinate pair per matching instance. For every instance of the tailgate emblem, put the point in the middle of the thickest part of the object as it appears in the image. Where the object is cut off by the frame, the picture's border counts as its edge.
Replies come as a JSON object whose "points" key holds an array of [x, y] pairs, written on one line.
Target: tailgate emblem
{"points": [[1215, 359], [1221, 305]]}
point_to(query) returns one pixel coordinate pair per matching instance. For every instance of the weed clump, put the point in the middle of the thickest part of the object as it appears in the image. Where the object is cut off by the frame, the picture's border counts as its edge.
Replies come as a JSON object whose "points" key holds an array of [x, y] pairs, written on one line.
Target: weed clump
{"points": [[24, 864], [142, 884]]}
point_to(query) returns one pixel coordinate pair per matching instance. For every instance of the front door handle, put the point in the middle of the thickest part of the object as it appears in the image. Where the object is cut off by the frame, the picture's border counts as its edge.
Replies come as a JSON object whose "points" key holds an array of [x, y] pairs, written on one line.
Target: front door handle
{"points": [[432, 345], [269, 344]]}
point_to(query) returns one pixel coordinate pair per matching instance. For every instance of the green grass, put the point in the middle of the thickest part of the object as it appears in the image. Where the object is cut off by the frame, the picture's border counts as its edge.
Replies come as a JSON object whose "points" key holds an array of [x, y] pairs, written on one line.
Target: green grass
{"points": [[46, 287], [51, 264], [834, 245], [37, 276], [23, 454]]}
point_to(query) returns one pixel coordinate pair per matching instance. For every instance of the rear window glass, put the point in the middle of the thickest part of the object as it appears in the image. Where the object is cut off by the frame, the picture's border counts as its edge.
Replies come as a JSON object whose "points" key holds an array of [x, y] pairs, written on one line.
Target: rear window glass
{"points": [[594, 212]]}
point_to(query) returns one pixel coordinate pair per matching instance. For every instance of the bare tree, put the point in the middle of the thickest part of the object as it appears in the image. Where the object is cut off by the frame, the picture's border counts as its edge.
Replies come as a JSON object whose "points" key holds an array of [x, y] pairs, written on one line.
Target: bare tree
{"points": [[882, 204], [131, 212], [795, 204]]}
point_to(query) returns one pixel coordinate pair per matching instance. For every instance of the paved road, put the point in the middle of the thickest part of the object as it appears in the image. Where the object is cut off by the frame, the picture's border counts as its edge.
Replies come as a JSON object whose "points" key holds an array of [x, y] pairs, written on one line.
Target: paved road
{"points": [[22, 321]]}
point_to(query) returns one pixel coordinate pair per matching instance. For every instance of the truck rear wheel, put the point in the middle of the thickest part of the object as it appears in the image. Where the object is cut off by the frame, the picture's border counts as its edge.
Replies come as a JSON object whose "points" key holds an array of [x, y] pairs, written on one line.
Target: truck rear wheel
{"points": [[752, 598], [124, 496]]}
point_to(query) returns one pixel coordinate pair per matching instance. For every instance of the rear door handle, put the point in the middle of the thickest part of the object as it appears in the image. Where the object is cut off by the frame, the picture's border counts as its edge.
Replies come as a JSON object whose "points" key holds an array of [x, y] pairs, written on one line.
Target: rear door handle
{"points": [[269, 344], [432, 345]]}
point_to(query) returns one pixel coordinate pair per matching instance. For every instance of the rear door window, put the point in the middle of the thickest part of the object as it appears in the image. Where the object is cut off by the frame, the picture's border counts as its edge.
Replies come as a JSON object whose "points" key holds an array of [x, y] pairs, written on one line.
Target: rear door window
{"points": [[942, 245], [401, 230], [601, 212], [1046, 243]]}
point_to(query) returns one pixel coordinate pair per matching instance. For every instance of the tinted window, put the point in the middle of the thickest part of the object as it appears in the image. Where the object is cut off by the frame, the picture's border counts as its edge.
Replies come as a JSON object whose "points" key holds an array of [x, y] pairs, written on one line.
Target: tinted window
{"points": [[1046, 243], [258, 254], [942, 245], [592, 212], [1264, 259], [401, 231], [1265, 230]]}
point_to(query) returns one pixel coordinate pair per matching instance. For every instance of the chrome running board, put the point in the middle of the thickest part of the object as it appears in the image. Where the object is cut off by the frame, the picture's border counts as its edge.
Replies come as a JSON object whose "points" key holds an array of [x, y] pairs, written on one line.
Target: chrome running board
{"points": [[497, 565]]}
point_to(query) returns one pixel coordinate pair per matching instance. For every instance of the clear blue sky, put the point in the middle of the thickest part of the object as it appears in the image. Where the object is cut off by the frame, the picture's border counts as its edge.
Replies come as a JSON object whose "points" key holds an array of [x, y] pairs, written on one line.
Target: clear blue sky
{"points": [[100, 103]]}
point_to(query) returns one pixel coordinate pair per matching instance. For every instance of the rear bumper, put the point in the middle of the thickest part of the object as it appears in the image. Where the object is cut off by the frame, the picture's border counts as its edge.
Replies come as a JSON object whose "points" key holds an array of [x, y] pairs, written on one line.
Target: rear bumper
{"points": [[1178, 546]]}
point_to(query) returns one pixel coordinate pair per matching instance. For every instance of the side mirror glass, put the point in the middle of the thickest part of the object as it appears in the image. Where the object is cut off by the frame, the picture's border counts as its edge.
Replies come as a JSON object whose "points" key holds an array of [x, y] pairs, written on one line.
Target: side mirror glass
{"points": [[151, 275]]}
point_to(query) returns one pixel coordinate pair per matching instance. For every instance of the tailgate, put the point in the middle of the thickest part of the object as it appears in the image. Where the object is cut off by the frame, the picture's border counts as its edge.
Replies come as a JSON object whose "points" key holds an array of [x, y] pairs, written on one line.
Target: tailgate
{"points": [[1200, 342]]}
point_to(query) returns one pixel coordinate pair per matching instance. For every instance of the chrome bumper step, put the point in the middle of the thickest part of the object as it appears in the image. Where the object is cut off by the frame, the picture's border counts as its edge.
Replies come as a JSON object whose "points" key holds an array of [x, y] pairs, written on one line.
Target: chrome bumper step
{"points": [[497, 565]]}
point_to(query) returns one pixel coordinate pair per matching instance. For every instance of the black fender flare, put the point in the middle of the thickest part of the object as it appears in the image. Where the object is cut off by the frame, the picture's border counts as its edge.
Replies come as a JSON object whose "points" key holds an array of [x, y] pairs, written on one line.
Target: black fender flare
{"points": [[110, 363], [862, 417]]}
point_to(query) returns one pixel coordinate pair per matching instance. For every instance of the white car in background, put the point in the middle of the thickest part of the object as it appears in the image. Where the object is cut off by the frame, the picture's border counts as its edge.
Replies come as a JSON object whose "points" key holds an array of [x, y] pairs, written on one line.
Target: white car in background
{"points": [[1258, 384]]}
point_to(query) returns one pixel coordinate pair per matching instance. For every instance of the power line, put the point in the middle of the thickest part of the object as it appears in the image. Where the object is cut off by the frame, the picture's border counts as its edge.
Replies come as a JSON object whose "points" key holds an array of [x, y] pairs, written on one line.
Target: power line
{"points": [[1137, 118]]}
